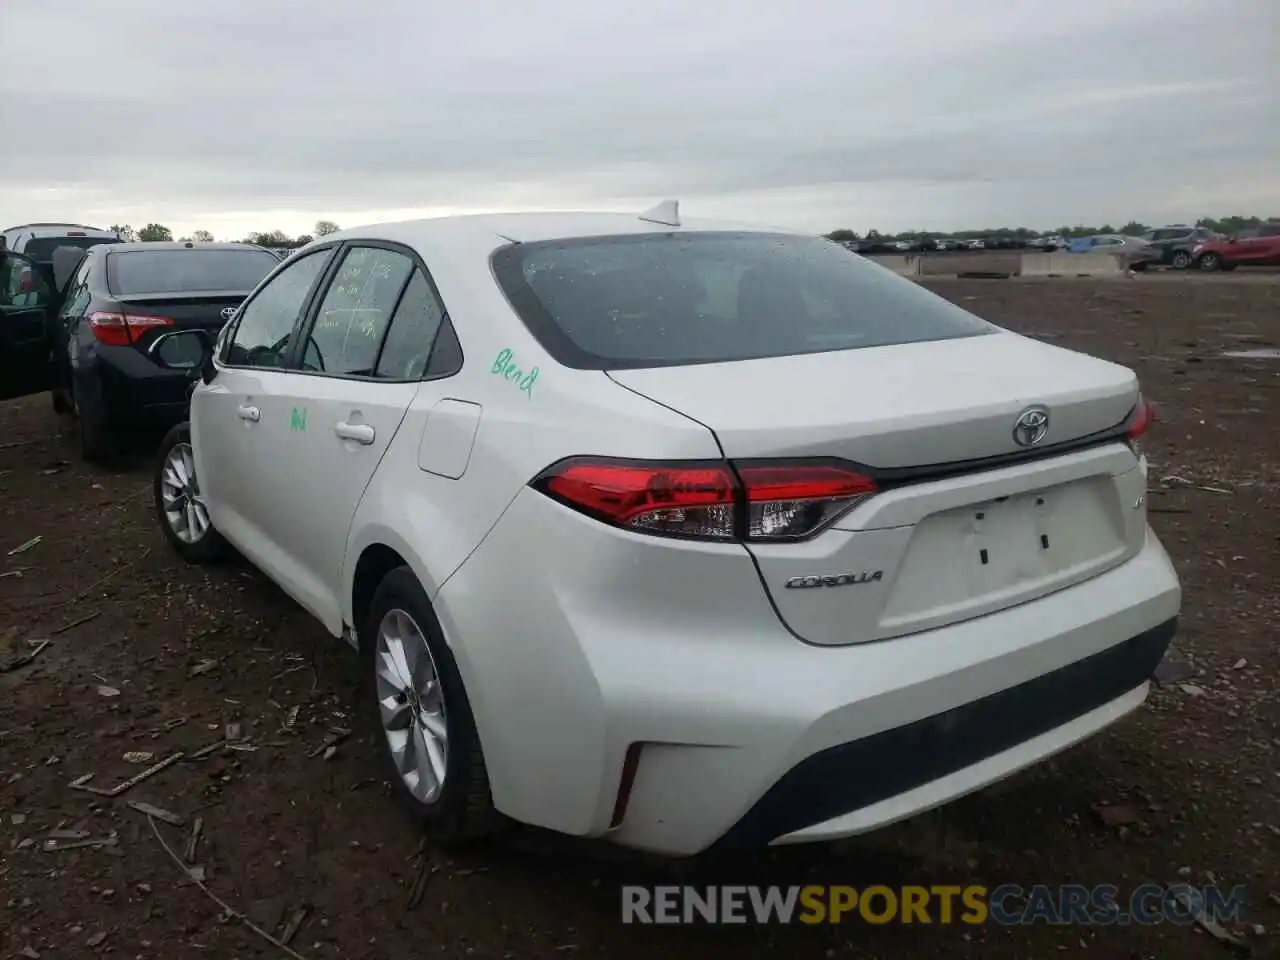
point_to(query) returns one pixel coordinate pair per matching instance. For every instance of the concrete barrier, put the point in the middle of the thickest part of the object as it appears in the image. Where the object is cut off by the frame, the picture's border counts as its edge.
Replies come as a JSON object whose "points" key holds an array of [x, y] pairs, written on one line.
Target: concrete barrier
{"points": [[1060, 263], [984, 263], [904, 266]]}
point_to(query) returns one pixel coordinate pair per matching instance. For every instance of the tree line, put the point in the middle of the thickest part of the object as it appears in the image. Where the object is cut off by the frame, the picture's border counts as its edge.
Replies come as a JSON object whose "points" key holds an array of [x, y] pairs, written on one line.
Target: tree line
{"points": [[1224, 225], [277, 239]]}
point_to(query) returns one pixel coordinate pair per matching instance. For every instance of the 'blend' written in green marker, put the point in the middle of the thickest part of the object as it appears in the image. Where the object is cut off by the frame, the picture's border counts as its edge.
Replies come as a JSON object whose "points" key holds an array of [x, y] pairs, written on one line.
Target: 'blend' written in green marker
{"points": [[504, 365]]}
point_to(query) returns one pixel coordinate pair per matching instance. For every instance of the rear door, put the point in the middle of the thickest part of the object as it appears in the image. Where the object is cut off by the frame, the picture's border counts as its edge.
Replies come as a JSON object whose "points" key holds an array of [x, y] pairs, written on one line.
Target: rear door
{"points": [[26, 301], [333, 415]]}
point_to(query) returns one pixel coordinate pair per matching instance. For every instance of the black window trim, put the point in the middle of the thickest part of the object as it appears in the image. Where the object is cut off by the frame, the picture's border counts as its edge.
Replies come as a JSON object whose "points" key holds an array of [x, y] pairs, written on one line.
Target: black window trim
{"points": [[310, 315], [326, 249]]}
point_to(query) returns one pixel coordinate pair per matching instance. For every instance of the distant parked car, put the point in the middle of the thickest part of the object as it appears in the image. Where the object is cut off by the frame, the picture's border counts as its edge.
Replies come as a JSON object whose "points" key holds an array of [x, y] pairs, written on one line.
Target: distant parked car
{"points": [[38, 240], [98, 315], [1259, 249], [1137, 251], [1174, 245]]}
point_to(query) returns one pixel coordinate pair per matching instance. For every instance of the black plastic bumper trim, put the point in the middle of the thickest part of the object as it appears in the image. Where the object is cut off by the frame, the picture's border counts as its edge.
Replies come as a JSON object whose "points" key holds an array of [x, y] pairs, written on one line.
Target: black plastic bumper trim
{"points": [[850, 776]]}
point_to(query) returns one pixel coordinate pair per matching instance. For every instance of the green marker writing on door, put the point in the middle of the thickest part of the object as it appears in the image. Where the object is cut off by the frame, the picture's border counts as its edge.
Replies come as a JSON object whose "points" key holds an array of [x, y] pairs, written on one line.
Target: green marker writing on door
{"points": [[298, 420], [505, 366]]}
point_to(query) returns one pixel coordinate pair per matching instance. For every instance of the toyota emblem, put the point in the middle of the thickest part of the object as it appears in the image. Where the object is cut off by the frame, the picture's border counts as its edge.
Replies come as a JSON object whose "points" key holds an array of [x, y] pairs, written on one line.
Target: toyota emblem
{"points": [[1031, 426], [228, 313]]}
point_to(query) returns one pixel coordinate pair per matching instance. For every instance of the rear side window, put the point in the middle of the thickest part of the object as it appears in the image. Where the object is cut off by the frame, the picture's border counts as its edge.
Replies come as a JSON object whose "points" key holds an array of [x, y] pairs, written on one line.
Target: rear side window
{"points": [[41, 248], [656, 300], [413, 330], [355, 312], [138, 272]]}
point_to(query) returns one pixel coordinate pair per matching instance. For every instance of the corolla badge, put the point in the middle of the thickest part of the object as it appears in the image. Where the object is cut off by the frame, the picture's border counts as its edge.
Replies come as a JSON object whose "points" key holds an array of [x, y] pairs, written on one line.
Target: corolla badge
{"points": [[838, 580], [227, 313], [1031, 426]]}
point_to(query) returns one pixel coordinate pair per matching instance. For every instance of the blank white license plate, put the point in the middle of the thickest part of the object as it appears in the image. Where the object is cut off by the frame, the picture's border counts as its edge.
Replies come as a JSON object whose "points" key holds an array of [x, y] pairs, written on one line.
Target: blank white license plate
{"points": [[1004, 548]]}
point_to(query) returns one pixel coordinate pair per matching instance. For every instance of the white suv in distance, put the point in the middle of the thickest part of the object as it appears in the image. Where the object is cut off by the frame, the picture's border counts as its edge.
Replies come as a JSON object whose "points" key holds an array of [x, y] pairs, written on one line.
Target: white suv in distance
{"points": [[688, 535]]}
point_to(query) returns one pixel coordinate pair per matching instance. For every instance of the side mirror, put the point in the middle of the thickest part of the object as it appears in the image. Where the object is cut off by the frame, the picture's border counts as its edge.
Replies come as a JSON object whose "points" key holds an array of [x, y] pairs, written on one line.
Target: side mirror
{"points": [[187, 350]]}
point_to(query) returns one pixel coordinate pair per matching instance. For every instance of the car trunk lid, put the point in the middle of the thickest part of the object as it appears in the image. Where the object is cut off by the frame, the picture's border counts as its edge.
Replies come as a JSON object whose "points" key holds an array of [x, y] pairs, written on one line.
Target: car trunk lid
{"points": [[203, 310], [968, 520]]}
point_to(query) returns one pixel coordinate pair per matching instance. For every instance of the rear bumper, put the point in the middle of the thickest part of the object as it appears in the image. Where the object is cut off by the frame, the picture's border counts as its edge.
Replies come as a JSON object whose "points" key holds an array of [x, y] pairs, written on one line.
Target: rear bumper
{"points": [[603, 642], [866, 783], [131, 391]]}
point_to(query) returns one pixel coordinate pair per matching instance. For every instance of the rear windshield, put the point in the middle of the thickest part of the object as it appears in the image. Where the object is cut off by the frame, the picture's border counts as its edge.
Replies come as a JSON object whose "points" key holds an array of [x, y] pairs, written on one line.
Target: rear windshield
{"points": [[187, 271], [41, 249], [655, 300]]}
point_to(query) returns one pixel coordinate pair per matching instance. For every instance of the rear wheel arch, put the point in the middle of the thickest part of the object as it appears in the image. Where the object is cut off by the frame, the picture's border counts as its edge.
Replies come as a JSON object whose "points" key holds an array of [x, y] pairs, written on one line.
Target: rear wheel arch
{"points": [[375, 562]]}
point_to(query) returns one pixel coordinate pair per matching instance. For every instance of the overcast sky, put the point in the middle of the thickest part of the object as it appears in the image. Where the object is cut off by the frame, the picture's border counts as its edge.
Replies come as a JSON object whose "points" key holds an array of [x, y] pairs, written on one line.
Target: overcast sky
{"points": [[239, 115]]}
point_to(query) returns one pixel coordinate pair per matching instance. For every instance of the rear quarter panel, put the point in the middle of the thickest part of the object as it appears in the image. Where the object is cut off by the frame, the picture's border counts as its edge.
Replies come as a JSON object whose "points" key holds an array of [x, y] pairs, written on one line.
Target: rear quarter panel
{"points": [[434, 521]]}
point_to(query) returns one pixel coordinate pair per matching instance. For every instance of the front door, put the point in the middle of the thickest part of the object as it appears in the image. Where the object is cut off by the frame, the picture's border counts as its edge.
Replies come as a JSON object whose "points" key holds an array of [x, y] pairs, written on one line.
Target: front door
{"points": [[27, 299], [231, 414]]}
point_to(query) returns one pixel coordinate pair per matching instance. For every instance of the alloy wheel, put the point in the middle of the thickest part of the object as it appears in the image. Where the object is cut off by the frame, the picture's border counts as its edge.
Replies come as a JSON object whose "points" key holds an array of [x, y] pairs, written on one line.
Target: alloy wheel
{"points": [[411, 704], [184, 511]]}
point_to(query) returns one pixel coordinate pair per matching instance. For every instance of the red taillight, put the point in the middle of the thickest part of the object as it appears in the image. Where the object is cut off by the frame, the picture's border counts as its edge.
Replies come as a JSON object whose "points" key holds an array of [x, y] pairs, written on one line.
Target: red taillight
{"points": [[712, 500], [1141, 419], [1144, 414], [122, 329], [677, 500], [789, 501]]}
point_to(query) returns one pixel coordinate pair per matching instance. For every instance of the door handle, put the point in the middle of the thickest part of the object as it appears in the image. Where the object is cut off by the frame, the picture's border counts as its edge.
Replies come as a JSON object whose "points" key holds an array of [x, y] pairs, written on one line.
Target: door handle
{"points": [[359, 432], [252, 414]]}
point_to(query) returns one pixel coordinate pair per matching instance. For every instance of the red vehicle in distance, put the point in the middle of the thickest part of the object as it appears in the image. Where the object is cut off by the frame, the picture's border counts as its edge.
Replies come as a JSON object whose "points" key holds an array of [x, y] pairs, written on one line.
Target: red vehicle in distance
{"points": [[1258, 248]]}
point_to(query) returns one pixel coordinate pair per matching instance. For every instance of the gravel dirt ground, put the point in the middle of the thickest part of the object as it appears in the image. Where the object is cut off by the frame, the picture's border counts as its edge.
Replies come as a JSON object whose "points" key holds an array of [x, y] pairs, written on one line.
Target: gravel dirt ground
{"points": [[149, 656]]}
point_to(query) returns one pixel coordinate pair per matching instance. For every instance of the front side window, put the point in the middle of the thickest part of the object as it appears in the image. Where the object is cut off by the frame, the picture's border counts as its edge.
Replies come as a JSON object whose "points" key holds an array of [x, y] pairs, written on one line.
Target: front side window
{"points": [[356, 310], [653, 300], [265, 330]]}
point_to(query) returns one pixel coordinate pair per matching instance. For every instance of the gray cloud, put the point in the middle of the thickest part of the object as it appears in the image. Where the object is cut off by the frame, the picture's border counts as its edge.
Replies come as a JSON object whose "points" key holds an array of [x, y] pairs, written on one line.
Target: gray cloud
{"points": [[813, 114]]}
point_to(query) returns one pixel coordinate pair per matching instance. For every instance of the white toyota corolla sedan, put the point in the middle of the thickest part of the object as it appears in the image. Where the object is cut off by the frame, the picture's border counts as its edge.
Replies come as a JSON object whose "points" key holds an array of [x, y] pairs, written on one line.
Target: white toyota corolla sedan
{"points": [[690, 535]]}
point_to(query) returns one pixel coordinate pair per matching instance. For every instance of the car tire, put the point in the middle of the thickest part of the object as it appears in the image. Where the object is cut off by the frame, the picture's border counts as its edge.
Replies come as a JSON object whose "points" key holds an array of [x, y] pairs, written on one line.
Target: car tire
{"points": [[189, 532], [1138, 267], [402, 624], [1181, 260], [61, 405], [98, 443], [1209, 262]]}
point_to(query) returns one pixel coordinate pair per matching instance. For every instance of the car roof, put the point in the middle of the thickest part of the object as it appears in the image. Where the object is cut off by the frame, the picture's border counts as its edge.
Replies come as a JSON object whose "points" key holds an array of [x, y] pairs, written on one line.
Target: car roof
{"points": [[491, 230], [43, 230], [154, 245]]}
